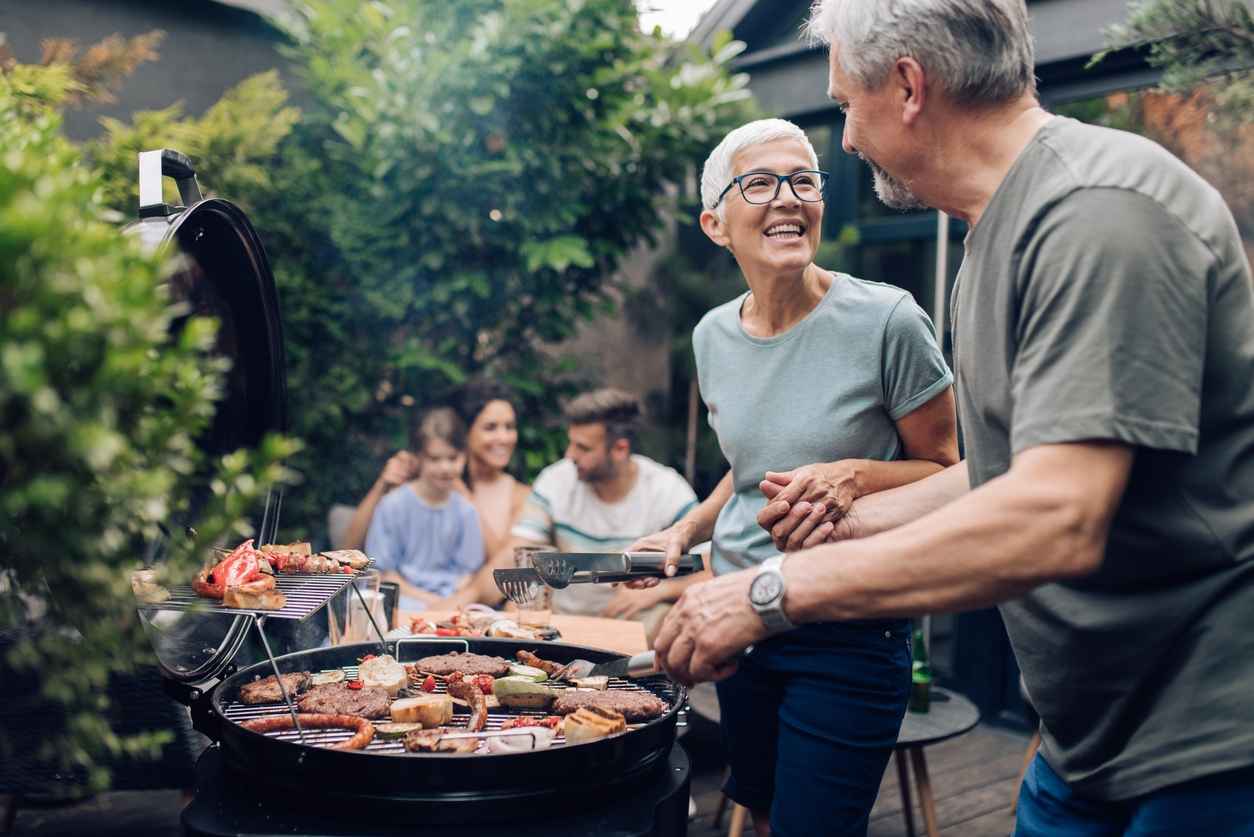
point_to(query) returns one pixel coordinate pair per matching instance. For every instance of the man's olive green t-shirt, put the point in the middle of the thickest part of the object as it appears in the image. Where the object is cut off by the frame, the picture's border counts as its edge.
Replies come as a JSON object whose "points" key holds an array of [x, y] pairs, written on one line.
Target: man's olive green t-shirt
{"points": [[1105, 295]]}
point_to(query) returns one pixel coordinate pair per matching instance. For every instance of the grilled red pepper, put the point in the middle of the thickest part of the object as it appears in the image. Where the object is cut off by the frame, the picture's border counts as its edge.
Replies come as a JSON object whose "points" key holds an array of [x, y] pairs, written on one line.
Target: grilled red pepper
{"points": [[355, 684], [455, 677], [484, 682], [447, 632], [428, 685]]}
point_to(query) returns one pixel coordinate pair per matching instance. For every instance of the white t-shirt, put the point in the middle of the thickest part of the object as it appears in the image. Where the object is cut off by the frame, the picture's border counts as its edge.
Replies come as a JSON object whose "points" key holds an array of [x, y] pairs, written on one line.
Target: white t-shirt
{"points": [[566, 513]]}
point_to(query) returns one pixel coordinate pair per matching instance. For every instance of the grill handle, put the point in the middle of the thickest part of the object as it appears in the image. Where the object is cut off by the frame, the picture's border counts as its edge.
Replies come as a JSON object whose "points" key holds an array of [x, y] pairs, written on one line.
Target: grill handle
{"points": [[165, 162]]}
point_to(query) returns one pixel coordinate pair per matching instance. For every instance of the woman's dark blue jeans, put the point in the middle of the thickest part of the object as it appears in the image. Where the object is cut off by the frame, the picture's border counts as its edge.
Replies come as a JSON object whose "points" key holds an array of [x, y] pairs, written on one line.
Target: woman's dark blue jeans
{"points": [[809, 721]]}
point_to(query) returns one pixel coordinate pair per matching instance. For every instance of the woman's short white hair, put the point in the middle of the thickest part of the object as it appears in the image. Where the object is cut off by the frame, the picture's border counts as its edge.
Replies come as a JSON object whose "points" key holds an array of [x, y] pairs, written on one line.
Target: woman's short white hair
{"points": [[979, 51], [718, 170]]}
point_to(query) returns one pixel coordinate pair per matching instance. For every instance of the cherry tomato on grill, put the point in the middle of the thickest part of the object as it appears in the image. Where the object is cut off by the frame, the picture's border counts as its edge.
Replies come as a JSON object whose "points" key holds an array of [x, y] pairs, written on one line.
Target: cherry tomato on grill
{"points": [[365, 658], [455, 677], [484, 682], [428, 685], [355, 684], [447, 632]]}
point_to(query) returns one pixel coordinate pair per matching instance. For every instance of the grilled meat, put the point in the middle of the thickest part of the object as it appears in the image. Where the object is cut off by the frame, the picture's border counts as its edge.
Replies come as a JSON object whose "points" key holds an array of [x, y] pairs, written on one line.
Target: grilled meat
{"points": [[636, 705], [266, 690], [470, 692], [428, 741], [446, 664], [348, 557], [523, 721], [363, 730], [529, 659], [339, 699]]}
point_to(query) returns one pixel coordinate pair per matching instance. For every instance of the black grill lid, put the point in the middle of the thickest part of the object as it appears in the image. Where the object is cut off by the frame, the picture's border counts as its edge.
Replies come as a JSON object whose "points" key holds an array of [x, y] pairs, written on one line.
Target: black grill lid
{"points": [[224, 274]]}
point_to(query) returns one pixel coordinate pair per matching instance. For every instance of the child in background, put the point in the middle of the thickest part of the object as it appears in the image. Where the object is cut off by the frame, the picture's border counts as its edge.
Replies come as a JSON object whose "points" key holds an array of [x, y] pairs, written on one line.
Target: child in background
{"points": [[425, 535]]}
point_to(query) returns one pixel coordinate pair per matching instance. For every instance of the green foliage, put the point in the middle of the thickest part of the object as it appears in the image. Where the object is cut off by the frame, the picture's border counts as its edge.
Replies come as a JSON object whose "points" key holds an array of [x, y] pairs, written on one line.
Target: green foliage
{"points": [[101, 406], [464, 182], [1195, 41]]}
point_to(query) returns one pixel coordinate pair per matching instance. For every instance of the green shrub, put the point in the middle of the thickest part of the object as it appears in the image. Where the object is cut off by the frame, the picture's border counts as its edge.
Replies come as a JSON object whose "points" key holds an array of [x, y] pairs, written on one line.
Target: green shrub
{"points": [[100, 407]]}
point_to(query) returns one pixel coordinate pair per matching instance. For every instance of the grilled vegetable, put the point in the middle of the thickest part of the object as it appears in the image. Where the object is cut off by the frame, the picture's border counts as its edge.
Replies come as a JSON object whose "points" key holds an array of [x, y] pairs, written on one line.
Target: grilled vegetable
{"points": [[600, 683], [322, 678], [530, 738], [522, 693], [530, 672], [385, 672], [427, 710], [395, 730]]}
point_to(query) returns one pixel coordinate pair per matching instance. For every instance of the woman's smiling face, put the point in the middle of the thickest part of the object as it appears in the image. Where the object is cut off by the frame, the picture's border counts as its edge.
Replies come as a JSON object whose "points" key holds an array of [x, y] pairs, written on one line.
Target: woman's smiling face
{"points": [[779, 236]]}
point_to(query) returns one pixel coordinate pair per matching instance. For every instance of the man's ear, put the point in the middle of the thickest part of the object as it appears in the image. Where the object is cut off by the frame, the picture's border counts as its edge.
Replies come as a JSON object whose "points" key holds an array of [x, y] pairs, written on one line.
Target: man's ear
{"points": [[621, 449], [911, 87], [714, 228]]}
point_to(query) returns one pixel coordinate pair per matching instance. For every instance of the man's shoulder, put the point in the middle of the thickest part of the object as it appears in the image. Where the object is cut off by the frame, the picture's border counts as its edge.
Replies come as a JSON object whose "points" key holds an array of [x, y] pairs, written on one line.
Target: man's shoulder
{"points": [[555, 479], [657, 477]]}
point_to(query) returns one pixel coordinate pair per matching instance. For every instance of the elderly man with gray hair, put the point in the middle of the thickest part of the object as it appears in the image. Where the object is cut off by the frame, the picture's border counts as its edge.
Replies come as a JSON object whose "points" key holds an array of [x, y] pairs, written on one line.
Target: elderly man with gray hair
{"points": [[1103, 354]]}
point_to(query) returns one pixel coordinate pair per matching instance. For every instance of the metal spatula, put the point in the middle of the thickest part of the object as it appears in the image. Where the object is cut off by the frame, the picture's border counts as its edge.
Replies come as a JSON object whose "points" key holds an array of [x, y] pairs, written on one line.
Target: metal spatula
{"points": [[520, 586]]}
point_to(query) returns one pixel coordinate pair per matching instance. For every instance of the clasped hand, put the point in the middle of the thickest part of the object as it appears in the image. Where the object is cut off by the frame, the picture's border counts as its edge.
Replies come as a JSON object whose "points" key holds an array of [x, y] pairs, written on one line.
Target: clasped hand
{"points": [[806, 506]]}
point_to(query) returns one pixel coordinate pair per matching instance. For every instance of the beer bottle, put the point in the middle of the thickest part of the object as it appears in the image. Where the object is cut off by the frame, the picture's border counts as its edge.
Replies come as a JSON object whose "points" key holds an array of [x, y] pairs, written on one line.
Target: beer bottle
{"points": [[920, 675]]}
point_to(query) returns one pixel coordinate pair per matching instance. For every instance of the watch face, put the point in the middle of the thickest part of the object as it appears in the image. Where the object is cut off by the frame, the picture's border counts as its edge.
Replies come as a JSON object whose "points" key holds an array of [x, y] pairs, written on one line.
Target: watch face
{"points": [[766, 588]]}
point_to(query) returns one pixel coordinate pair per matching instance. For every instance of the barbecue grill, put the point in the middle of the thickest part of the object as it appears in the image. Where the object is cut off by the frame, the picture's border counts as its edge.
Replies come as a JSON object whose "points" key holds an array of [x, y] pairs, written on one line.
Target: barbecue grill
{"points": [[225, 274]]}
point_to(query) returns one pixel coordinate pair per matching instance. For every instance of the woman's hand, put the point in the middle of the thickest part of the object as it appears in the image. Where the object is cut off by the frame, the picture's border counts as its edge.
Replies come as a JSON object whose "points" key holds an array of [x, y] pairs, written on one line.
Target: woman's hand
{"points": [[399, 469], [674, 541], [806, 504]]}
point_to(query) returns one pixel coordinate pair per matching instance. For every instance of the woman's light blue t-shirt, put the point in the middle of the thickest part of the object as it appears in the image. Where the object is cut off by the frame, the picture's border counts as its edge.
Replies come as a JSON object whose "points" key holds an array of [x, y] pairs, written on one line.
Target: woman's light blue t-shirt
{"points": [[432, 547], [829, 388]]}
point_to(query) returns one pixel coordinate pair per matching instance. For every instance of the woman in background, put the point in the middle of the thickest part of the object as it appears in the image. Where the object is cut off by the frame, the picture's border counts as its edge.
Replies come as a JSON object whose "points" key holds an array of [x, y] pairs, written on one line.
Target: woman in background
{"points": [[488, 410]]}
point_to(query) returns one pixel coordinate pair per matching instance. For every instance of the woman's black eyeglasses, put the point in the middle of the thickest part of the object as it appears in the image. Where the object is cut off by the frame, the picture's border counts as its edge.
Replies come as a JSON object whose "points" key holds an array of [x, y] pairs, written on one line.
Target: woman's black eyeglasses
{"points": [[759, 187]]}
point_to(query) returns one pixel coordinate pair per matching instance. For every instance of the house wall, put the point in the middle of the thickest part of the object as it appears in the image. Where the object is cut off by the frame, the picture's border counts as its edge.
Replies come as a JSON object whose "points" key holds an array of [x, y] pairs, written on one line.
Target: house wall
{"points": [[208, 48]]}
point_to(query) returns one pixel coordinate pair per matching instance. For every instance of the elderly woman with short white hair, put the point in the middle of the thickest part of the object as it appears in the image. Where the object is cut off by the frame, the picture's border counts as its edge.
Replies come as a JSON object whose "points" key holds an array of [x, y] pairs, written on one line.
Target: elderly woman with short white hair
{"points": [[821, 387]]}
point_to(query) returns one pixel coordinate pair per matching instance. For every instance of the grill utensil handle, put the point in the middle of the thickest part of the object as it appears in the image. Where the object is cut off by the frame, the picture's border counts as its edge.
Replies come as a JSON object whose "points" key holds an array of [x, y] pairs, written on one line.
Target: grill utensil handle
{"points": [[652, 564], [165, 162]]}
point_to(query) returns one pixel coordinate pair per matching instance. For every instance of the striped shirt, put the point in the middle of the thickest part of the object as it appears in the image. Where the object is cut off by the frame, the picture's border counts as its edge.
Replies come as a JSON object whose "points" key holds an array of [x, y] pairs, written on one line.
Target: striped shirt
{"points": [[566, 513]]}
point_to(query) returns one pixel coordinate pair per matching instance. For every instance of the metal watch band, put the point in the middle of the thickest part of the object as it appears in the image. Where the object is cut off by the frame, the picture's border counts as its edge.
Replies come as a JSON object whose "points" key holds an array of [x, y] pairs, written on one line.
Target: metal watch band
{"points": [[772, 614]]}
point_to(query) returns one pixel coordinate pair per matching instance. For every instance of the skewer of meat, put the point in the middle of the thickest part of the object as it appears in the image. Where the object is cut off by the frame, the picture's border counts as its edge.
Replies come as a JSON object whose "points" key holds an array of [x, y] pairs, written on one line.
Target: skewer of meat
{"points": [[528, 659], [473, 695], [364, 730]]}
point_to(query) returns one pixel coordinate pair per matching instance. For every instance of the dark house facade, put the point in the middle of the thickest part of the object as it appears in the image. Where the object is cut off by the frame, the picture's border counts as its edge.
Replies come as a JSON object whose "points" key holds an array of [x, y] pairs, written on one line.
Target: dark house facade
{"points": [[918, 251]]}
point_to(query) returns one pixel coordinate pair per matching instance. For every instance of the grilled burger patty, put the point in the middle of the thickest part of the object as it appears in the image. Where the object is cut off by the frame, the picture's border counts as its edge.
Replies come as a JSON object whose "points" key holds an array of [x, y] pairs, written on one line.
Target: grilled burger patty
{"points": [[635, 705], [338, 699], [266, 690], [445, 664]]}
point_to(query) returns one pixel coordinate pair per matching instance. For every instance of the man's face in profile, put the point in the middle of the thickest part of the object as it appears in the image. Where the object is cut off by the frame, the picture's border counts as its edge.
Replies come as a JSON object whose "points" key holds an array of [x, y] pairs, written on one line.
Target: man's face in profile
{"points": [[587, 448]]}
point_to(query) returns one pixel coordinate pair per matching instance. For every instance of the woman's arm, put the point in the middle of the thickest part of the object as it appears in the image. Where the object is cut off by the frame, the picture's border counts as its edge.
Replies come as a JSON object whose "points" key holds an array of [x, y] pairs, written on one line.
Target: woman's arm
{"points": [[399, 469], [691, 529], [811, 500]]}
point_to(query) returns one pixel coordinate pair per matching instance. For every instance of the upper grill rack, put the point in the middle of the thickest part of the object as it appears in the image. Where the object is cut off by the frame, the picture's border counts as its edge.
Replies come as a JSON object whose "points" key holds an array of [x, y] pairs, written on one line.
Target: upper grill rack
{"points": [[239, 712], [306, 595]]}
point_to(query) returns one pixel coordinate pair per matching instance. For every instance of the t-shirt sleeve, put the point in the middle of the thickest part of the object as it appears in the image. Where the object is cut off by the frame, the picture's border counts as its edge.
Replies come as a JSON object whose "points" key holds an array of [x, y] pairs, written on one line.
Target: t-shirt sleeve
{"points": [[535, 523], [382, 542], [1110, 337], [913, 368]]}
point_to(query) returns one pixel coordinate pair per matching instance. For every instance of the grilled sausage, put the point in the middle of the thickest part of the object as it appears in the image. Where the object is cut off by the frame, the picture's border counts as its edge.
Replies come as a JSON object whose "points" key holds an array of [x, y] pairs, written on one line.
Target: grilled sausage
{"points": [[529, 659], [470, 692], [364, 730]]}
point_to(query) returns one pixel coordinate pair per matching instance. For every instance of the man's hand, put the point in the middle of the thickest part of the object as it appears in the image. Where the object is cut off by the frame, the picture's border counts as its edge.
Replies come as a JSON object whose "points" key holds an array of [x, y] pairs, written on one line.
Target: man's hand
{"points": [[674, 541], [628, 602], [805, 504], [707, 628], [399, 469]]}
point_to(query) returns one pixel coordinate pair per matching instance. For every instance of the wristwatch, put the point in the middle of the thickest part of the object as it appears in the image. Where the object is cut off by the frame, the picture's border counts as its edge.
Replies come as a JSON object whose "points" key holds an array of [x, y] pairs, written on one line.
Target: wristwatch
{"points": [[766, 595]]}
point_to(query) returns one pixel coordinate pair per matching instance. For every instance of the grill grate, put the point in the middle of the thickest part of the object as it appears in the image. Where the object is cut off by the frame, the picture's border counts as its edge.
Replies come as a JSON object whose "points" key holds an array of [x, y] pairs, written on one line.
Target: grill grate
{"points": [[306, 595], [237, 712]]}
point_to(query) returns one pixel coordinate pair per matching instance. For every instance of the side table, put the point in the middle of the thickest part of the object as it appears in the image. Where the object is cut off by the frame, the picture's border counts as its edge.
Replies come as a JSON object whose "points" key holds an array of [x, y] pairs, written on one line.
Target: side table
{"points": [[949, 715]]}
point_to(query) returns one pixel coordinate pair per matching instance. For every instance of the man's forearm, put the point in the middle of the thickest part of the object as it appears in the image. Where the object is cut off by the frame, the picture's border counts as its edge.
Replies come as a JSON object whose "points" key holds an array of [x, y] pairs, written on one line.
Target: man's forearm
{"points": [[1036, 524], [890, 507], [355, 535]]}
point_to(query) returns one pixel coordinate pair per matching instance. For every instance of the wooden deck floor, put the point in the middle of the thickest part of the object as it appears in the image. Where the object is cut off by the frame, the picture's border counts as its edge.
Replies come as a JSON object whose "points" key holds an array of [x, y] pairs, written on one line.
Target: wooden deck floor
{"points": [[973, 780]]}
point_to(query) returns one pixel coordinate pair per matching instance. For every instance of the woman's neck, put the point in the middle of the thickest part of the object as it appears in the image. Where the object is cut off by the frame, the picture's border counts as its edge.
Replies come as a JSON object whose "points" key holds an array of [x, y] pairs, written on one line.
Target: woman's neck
{"points": [[481, 473], [779, 301]]}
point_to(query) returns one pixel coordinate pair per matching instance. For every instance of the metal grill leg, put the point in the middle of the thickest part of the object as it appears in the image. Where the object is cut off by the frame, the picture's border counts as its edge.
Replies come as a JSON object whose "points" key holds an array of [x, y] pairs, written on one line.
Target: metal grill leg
{"points": [[287, 699]]}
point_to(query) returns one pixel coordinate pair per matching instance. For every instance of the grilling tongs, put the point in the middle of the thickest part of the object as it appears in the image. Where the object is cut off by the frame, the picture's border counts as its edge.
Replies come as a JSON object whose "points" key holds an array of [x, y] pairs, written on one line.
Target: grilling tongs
{"points": [[561, 569]]}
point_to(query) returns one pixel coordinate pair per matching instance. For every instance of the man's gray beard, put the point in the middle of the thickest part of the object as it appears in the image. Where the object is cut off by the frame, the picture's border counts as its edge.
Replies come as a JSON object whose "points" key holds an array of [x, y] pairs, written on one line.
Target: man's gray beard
{"points": [[892, 192]]}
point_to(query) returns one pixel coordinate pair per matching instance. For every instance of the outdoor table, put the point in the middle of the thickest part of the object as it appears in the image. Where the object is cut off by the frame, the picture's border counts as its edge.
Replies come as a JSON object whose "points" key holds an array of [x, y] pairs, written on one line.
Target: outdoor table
{"points": [[949, 715], [623, 636]]}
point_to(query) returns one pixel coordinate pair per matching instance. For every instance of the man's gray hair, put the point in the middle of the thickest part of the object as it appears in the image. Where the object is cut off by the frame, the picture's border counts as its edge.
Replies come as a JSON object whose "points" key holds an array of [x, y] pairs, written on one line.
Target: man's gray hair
{"points": [[719, 171], [979, 51]]}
